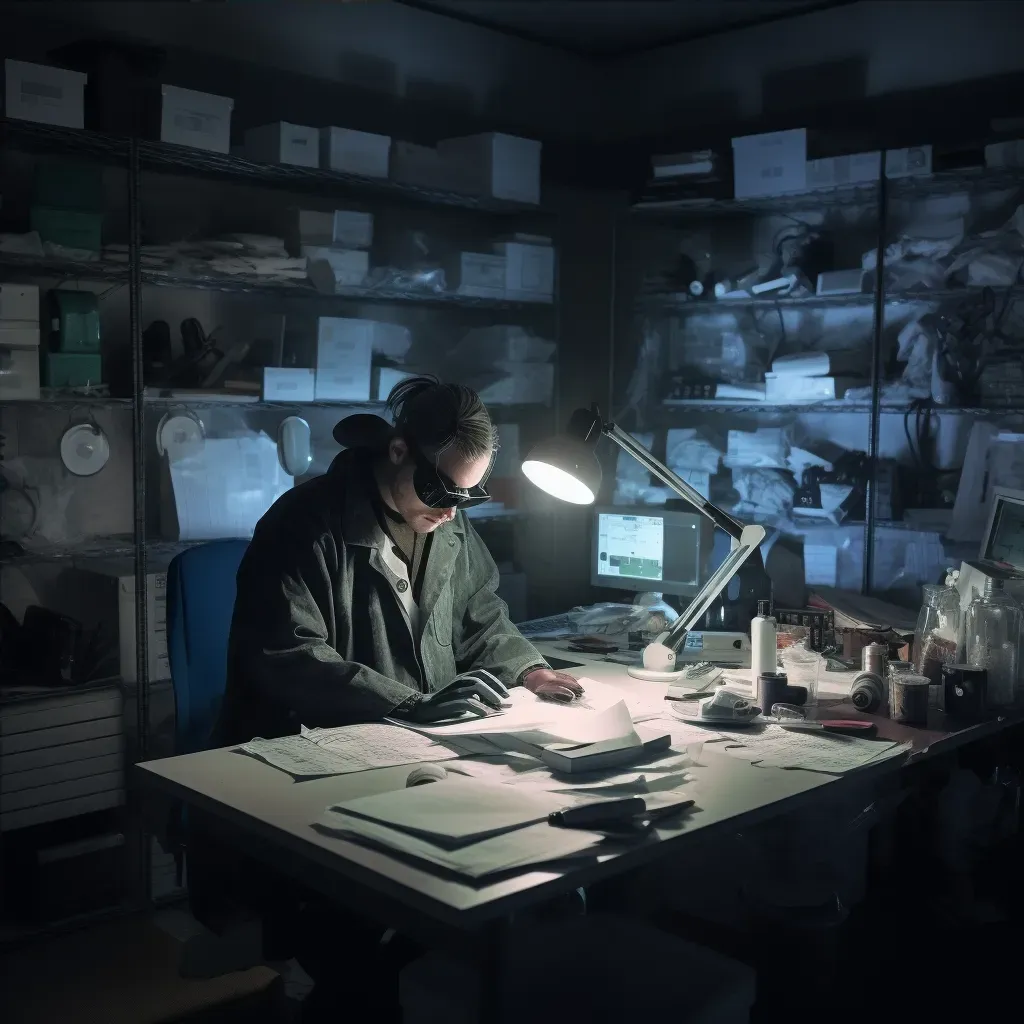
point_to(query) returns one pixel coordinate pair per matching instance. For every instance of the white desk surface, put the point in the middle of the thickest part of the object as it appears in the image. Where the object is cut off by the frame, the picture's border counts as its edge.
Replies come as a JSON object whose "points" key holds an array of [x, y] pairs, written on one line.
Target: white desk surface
{"points": [[264, 806]]}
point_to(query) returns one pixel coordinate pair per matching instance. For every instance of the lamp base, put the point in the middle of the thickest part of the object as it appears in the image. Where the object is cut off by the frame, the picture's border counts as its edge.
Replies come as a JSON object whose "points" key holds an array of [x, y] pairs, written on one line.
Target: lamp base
{"points": [[661, 664]]}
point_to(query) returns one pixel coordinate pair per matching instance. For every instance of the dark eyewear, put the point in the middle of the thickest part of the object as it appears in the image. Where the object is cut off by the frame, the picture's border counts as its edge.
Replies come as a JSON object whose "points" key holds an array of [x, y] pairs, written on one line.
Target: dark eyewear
{"points": [[437, 490]]}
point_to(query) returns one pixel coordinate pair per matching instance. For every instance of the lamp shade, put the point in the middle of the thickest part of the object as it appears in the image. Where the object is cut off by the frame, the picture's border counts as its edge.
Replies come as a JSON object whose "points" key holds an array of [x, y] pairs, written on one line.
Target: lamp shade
{"points": [[566, 468]]}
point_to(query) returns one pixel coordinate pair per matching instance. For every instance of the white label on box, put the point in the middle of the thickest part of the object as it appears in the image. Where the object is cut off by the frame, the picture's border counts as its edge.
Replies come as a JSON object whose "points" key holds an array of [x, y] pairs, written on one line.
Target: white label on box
{"points": [[288, 384], [36, 92]]}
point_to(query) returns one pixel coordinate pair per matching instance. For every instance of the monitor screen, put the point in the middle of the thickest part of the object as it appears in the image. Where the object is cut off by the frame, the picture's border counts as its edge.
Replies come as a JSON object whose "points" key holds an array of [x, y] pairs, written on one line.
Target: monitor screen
{"points": [[649, 549], [1004, 541]]}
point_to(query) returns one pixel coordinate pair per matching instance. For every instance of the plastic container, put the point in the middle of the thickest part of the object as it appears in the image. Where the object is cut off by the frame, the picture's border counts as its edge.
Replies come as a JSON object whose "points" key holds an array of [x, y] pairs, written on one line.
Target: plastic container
{"points": [[992, 634], [764, 639]]}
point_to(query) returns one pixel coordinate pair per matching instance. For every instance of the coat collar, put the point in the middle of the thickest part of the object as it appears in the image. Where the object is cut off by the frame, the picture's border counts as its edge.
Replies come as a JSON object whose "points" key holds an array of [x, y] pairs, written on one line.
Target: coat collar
{"points": [[359, 524]]}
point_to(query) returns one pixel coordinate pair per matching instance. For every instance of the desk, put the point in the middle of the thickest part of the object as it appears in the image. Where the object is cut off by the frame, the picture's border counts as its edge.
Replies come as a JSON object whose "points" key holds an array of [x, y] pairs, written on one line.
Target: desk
{"points": [[268, 815]]}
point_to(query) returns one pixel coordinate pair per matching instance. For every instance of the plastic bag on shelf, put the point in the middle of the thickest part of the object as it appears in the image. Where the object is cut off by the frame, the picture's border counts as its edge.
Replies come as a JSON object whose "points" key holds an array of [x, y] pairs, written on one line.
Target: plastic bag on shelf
{"points": [[762, 492], [686, 448], [763, 448]]}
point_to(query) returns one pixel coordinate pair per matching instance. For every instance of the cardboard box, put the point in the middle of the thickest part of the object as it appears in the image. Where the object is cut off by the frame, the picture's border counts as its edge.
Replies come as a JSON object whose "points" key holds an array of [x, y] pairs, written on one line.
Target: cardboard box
{"points": [[19, 374], [36, 92], [770, 164], [364, 153], [344, 353], [493, 164], [19, 302], [839, 171], [352, 229], [384, 379], [288, 384], [426, 167], [529, 270], [198, 119], [909, 162], [283, 143], [332, 270], [479, 274]]}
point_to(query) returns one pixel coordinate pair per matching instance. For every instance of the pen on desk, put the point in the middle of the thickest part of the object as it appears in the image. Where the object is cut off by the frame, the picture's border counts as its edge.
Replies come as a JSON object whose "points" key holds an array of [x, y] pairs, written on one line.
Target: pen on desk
{"points": [[593, 815]]}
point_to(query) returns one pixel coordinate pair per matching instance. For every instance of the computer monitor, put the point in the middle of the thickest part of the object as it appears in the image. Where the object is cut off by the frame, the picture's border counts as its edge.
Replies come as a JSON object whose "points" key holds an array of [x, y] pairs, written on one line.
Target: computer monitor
{"points": [[650, 549], [1003, 539]]}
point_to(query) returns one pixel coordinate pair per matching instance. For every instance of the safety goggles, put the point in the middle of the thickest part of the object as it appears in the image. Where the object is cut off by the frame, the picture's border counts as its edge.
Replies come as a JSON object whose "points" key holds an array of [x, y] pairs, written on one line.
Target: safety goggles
{"points": [[436, 490]]}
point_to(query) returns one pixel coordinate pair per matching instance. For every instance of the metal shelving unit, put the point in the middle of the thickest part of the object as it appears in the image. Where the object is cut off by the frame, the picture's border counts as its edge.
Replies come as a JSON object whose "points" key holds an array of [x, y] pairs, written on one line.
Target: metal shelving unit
{"points": [[129, 271], [704, 221]]}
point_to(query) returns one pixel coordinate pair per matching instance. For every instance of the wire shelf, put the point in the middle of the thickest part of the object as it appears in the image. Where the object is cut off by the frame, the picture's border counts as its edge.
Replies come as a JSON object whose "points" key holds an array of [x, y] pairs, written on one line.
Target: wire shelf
{"points": [[16, 266], [680, 302], [728, 405], [245, 285], [669, 211], [165, 156], [46, 138], [63, 398], [971, 179]]}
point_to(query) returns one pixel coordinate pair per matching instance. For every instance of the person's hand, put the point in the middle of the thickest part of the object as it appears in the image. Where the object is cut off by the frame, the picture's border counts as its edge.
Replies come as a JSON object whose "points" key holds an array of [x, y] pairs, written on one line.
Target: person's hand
{"points": [[548, 684], [477, 693]]}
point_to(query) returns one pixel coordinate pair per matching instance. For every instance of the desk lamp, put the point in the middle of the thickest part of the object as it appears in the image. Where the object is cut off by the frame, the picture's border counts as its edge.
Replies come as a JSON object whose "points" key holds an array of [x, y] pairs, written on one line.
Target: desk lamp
{"points": [[566, 467]]}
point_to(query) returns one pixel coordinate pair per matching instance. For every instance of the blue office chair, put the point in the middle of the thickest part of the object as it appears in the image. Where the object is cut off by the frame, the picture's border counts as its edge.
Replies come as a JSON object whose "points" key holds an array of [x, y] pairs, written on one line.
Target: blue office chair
{"points": [[200, 601]]}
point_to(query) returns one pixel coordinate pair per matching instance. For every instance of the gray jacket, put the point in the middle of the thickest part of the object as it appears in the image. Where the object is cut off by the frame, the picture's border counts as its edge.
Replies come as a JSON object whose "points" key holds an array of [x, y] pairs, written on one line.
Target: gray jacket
{"points": [[319, 637]]}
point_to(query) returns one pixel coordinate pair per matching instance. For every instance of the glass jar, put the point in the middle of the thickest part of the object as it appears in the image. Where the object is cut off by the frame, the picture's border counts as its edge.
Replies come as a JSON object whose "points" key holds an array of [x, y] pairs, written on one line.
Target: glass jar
{"points": [[992, 633], [936, 635]]}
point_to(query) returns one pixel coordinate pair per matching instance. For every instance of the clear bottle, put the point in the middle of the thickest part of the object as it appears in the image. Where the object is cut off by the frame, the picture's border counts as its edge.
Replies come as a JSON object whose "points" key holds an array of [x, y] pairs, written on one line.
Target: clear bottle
{"points": [[936, 635], [992, 633]]}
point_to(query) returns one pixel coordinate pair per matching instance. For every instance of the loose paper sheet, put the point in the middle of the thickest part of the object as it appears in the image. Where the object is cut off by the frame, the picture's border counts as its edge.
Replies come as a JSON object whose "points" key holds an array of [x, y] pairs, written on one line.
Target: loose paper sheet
{"points": [[598, 696], [353, 748], [524, 847], [457, 812], [776, 747]]}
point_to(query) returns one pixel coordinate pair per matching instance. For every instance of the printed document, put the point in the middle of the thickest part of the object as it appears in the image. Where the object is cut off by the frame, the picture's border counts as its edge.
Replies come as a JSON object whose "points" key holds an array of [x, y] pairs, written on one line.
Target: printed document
{"points": [[776, 747]]}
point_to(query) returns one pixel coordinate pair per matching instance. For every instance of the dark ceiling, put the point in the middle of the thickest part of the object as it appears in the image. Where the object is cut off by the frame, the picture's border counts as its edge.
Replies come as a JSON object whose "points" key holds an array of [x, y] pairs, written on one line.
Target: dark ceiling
{"points": [[607, 28]]}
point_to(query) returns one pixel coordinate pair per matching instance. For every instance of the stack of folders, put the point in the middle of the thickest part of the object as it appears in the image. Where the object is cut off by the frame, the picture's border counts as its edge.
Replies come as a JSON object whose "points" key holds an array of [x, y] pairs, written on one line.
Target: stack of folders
{"points": [[464, 826]]}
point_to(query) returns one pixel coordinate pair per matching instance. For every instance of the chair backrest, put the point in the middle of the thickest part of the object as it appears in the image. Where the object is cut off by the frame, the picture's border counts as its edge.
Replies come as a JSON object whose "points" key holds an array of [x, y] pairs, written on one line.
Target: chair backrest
{"points": [[201, 592]]}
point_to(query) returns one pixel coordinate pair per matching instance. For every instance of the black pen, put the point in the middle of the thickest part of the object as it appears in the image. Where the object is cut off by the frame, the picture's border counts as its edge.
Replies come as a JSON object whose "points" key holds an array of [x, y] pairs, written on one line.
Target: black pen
{"points": [[595, 814]]}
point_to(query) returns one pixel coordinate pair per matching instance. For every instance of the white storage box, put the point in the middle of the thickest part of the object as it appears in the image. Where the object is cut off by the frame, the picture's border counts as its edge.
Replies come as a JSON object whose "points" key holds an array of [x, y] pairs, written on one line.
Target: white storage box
{"points": [[197, 119], [288, 384], [333, 270], [19, 302], [529, 270], [283, 143], [1005, 154], [837, 171], [479, 274], [19, 373], [770, 164], [344, 353], [36, 92], [385, 378], [909, 162], [345, 149], [493, 164], [19, 334]]}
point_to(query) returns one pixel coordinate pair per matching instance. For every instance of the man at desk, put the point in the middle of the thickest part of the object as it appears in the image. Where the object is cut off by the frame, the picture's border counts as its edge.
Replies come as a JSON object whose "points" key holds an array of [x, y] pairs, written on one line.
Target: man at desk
{"points": [[364, 592]]}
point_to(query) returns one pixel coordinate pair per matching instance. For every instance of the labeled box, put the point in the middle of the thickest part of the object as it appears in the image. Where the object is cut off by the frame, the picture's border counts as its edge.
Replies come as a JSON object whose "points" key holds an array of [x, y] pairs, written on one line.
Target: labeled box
{"points": [[283, 143], [839, 171], [344, 355], [198, 119], [770, 164], [364, 153], [19, 302], [479, 274], [496, 165], [37, 92], [288, 384], [529, 270]]}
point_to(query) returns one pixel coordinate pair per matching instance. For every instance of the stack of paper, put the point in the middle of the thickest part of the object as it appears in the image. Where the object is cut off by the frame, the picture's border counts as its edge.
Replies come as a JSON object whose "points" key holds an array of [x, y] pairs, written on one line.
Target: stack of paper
{"points": [[776, 747], [466, 826]]}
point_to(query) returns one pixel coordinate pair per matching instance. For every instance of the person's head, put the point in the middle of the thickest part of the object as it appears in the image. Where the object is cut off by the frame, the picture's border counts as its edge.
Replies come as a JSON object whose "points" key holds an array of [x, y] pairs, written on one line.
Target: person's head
{"points": [[445, 430]]}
